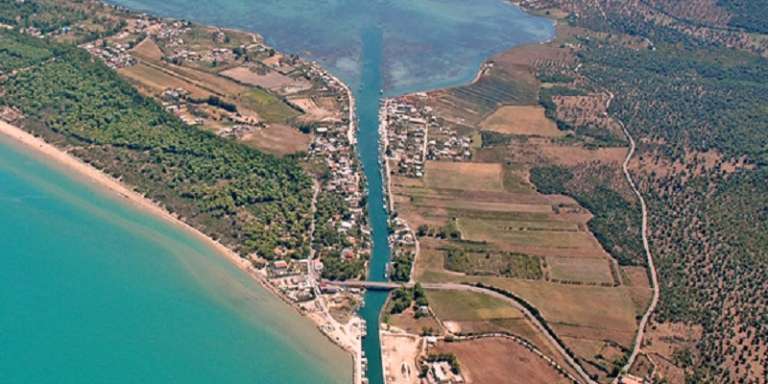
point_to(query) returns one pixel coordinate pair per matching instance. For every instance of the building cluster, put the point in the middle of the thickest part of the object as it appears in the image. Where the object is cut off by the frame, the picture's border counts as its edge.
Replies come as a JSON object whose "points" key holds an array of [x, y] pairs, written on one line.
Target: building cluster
{"points": [[333, 144], [407, 132], [115, 55], [402, 239], [440, 372], [294, 278], [415, 134], [169, 32]]}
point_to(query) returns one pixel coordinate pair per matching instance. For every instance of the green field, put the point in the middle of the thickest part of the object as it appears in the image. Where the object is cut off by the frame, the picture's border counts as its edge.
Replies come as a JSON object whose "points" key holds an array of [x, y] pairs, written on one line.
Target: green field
{"points": [[469, 306], [269, 107]]}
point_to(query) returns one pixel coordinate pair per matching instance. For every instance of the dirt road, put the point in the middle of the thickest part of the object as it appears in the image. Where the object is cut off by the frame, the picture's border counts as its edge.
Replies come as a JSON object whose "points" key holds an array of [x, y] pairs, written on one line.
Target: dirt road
{"points": [[651, 267]]}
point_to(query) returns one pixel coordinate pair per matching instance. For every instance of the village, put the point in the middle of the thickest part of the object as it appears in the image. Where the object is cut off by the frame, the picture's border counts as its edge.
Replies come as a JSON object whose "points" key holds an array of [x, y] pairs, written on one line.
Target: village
{"points": [[416, 134]]}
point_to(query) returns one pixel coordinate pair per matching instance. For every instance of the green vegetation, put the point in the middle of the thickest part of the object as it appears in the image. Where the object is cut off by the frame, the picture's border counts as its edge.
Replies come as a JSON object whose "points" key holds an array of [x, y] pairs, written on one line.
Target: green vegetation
{"points": [[19, 51], [751, 15], [448, 231], [704, 103], [43, 15], [551, 180], [249, 200], [330, 243], [616, 221], [403, 298], [506, 264], [62, 18], [269, 107], [401, 267]]}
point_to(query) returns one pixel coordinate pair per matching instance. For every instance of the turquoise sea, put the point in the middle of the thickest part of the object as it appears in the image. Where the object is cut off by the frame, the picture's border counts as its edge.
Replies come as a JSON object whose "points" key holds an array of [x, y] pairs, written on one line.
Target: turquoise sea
{"points": [[93, 290], [398, 46]]}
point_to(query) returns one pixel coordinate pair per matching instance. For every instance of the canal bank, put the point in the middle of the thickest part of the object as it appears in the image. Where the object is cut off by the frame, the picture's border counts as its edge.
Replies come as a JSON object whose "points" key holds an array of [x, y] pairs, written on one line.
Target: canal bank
{"points": [[367, 98]]}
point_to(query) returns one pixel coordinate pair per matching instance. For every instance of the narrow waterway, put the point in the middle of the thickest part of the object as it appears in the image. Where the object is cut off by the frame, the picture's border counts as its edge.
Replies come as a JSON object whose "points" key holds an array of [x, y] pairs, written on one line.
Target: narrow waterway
{"points": [[368, 96]]}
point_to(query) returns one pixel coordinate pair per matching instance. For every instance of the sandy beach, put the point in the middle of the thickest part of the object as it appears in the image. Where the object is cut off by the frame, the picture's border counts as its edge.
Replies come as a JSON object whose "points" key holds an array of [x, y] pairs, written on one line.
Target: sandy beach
{"points": [[342, 338], [112, 185]]}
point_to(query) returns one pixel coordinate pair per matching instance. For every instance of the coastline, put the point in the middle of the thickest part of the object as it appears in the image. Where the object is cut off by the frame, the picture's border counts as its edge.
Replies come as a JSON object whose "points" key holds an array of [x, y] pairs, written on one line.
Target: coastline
{"points": [[123, 192]]}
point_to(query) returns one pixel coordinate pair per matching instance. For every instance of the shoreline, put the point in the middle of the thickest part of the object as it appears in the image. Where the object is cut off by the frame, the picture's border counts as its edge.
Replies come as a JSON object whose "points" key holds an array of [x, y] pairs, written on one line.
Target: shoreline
{"points": [[121, 191]]}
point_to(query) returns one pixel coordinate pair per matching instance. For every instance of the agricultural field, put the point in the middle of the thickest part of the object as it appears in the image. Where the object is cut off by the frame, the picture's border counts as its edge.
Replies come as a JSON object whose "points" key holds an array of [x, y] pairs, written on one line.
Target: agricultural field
{"points": [[521, 120], [278, 139], [268, 106], [469, 176], [469, 306], [564, 239], [266, 78], [154, 81], [501, 361], [217, 88]]}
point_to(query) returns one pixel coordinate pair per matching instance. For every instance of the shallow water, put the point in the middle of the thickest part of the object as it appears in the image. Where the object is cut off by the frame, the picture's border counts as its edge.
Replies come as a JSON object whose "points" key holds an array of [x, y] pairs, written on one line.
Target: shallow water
{"points": [[397, 46], [94, 291], [426, 44]]}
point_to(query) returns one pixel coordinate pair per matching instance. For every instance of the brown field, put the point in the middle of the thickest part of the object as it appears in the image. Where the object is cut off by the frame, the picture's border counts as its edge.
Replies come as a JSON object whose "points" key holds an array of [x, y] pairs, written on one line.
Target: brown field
{"points": [[635, 277], [474, 176], [148, 50], [407, 322], [314, 112], [516, 180], [212, 82], [501, 361], [583, 270], [571, 155], [582, 311], [510, 235], [156, 81], [271, 80], [521, 120], [279, 139], [603, 308]]}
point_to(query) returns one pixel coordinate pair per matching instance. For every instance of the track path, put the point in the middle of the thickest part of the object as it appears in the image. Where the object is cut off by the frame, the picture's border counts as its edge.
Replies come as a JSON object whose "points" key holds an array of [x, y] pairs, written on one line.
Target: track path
{"points": [[649, 257]]}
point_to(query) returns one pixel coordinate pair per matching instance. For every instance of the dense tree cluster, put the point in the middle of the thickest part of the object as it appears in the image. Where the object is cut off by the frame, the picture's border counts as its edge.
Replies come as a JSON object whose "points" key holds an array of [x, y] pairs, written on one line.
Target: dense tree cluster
{"points": [[751, 15], [330, 242]]}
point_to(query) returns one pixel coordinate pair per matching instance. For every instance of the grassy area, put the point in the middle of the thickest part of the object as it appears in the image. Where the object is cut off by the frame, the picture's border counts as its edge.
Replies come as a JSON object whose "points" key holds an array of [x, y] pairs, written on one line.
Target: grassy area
{"points": [[493, 263], [269, 107], [580, 270], [455, 175], [469, 306], [521, 120], [507, 235]]}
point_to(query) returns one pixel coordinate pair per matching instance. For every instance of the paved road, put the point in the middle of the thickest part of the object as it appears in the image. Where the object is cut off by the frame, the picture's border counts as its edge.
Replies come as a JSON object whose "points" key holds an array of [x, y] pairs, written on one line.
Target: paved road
{"points": [[651, 267]]}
